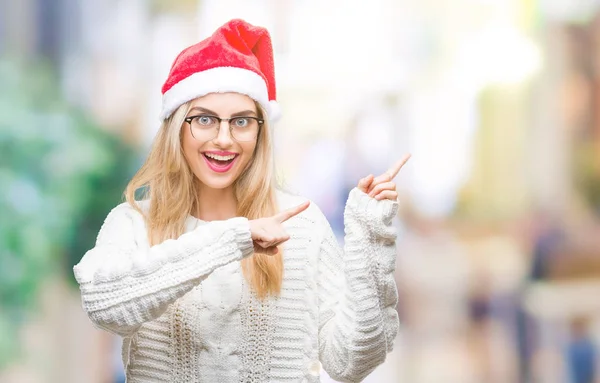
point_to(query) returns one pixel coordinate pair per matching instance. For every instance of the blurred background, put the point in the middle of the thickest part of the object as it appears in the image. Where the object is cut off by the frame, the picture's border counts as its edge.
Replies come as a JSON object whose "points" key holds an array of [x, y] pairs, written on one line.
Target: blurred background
{"points": [[498, 101]]}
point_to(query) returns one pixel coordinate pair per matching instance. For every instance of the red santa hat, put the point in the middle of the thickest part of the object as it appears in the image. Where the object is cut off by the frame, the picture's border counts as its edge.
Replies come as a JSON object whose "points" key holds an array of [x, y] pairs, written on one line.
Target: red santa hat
{"points": [[238, 57]]}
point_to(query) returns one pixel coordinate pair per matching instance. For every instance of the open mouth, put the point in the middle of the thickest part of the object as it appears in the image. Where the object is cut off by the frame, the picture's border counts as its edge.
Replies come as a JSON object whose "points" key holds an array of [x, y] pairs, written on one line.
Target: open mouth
{"points": [[219, 163]]}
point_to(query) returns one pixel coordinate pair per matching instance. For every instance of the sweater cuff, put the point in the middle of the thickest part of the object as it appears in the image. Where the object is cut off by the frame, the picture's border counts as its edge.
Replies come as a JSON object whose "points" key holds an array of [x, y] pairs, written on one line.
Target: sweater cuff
{"points": [[371, 213], [243, 237]]}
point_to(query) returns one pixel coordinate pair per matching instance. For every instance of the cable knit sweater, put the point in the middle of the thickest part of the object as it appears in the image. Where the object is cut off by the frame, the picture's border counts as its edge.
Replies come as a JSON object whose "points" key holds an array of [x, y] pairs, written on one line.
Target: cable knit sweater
{"points": [[187, 315]]}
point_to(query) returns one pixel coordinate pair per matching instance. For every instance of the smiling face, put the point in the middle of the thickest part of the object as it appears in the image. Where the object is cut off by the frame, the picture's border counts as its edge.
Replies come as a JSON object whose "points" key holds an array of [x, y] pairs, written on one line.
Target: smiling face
{"points": [[217, 159]]}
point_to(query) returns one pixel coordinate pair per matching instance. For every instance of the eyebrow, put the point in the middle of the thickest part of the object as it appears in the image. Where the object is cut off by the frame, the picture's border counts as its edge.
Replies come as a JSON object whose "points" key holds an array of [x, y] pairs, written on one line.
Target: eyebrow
{"points": [[237, 114]]}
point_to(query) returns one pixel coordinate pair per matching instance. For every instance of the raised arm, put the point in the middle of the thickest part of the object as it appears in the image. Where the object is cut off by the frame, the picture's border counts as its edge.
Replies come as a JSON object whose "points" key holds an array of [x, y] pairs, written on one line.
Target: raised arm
{"points": [[358, 321]]}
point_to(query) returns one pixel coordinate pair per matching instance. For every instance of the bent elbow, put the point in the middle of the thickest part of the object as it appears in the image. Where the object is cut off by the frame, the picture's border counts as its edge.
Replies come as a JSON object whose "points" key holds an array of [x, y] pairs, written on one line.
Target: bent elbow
{"points": [[108, 322]]}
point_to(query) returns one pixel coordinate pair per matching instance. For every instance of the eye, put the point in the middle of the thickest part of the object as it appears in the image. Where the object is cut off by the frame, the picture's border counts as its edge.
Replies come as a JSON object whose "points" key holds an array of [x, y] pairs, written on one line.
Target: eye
{"points": [[206, 120], [241, 122]]}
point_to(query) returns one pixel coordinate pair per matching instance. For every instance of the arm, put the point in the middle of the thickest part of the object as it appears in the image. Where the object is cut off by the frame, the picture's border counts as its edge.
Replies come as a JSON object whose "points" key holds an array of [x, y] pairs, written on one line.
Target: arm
{"points": [[357, 291], [124, 284]]}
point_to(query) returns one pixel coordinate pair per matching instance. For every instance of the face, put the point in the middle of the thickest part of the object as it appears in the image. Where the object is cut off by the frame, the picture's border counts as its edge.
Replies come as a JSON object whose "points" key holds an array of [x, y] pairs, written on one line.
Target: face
{"points": [[218, 162]]}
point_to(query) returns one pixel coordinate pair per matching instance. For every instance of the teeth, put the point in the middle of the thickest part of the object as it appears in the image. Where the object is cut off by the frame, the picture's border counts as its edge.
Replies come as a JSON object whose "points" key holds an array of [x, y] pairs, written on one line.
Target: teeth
{"points": [[220, 158]]}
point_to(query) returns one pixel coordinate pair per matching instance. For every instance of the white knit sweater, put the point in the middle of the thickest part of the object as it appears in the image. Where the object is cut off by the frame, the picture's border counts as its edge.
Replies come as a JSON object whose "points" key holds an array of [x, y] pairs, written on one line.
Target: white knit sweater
{"points": [[187, 315]]}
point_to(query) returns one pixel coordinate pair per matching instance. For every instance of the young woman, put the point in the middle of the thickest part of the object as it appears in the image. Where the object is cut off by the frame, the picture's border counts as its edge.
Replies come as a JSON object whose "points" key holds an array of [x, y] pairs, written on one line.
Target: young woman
{"points": [[216, 276]]}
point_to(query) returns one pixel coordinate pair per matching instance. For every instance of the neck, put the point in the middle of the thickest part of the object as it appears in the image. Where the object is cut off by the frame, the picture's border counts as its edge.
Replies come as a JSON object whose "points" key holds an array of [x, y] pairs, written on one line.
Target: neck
{"points": [[216, 204]]}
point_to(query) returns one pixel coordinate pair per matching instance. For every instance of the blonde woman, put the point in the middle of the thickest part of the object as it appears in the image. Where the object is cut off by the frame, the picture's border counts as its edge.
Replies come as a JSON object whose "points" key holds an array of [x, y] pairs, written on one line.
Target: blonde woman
{"points": [[216, 276]]}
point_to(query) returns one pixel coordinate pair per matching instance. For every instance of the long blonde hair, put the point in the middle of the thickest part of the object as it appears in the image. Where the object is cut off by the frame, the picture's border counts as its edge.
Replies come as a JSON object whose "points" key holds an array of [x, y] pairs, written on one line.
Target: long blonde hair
{"points": [[168, 182]]}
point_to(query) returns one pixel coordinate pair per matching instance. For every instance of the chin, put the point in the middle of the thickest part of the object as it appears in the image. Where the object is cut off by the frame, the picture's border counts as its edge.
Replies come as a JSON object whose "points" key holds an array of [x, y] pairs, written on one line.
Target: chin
{"points": [[212, 183]]}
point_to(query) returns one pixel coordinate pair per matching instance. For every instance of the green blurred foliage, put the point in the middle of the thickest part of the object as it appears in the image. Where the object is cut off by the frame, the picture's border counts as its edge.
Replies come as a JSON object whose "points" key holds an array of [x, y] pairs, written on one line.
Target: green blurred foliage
{"points": [[60, 174]]}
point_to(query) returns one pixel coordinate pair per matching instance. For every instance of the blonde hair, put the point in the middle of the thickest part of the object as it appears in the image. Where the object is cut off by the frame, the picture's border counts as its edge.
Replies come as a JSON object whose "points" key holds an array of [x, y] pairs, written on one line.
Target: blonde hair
{"points": [[173, 191]]}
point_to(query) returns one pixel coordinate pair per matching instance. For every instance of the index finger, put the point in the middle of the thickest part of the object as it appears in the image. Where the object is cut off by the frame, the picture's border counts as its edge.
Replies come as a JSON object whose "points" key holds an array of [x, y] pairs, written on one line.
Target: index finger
{"points": [[289, 213], [393, 171]]}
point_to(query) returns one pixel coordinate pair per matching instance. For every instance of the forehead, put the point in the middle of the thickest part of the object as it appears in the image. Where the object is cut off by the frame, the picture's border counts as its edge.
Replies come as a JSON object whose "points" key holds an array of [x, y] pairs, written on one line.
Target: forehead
{"points": [[225, 103]]}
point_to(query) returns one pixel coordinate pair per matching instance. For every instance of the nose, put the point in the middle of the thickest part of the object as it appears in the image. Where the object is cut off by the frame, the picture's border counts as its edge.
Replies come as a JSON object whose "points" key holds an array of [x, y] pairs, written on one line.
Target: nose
{"points": [[224, 139]]}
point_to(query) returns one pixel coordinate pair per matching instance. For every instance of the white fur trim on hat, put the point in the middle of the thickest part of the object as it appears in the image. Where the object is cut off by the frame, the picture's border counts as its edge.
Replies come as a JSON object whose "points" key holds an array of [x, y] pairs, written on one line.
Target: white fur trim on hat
{"points": [[216, 80]]}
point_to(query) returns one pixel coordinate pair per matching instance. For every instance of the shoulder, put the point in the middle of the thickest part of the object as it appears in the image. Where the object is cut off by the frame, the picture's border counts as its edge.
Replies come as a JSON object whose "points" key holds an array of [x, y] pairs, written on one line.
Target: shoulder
{"points": [[123, 221], [287, 199], [126, 210]]}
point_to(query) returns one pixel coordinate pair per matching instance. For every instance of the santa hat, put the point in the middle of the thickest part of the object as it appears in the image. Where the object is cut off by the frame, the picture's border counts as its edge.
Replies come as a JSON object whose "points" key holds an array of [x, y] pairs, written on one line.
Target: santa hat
{"points": [[238, 57]]}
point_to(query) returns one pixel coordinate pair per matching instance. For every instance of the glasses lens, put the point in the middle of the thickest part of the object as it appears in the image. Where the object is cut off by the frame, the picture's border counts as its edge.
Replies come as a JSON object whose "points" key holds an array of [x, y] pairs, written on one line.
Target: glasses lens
{"points": [[244, 128], [204, 128]]}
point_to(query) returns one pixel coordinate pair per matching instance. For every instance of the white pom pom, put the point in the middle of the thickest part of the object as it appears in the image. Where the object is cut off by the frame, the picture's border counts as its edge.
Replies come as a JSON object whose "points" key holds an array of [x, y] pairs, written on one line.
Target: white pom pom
{"points": [[274, 111]]}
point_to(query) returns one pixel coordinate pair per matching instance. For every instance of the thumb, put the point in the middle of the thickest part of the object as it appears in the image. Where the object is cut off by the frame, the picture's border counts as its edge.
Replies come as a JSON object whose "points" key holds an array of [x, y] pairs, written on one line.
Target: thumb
{"points": [[364, 183], [266, 250]]}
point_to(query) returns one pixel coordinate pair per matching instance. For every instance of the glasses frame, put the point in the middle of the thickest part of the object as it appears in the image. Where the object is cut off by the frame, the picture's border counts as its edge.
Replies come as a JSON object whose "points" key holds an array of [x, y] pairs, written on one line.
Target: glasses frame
{"points": [[189, 119]]}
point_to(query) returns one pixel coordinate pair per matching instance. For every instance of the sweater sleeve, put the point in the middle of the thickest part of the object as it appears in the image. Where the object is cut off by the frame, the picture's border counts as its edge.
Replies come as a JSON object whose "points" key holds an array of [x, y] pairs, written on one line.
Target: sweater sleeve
{"points": [[124, 284], [358, 320]]}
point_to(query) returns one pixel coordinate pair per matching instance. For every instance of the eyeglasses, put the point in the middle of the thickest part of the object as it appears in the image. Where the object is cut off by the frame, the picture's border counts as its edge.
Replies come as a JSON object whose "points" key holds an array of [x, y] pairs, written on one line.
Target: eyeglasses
{"points": [[205, 127]]}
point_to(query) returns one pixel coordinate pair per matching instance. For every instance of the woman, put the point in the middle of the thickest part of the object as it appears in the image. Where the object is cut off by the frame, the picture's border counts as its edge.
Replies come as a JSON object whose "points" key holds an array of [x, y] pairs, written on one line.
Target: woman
{"points": [[215, 276]]}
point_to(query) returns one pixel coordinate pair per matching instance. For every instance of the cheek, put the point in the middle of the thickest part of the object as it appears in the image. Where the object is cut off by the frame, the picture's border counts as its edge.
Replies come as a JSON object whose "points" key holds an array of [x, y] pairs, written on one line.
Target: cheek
{"points": [[249, 152], [190, 146], [191, 153]]}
